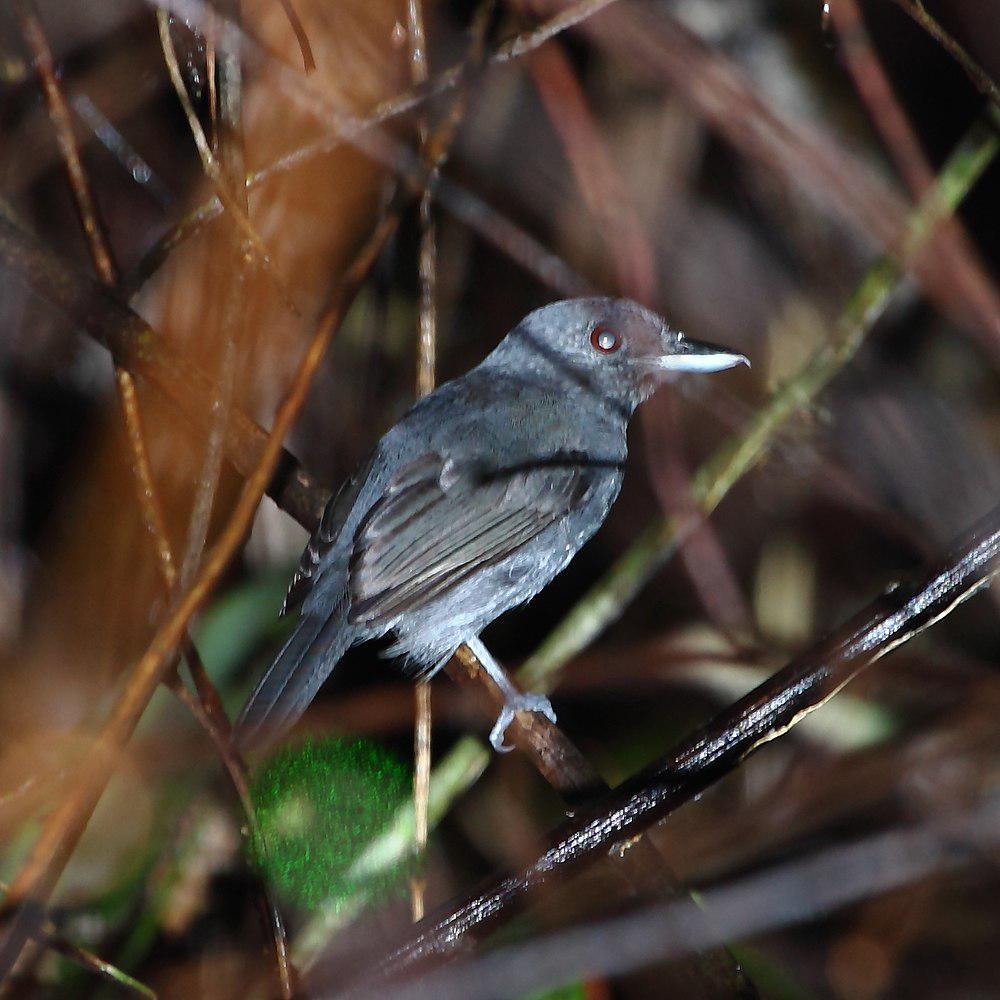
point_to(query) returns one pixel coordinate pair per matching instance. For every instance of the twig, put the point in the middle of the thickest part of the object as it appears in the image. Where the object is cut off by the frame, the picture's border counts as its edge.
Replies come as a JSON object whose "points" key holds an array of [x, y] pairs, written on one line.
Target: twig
{"points": [[601, 186], [233, 203], [62, 125], [49, 935], [981, 80], [301, 38], [876, 91], [426, 348], [64, 826], [605, 601], [785, 894], [898, 615], [149, 504], [229, 270], [801, 155]]}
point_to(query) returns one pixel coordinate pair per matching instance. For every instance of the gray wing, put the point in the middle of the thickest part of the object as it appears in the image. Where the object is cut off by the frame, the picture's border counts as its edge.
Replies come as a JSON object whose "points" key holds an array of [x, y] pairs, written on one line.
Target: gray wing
{"points": [[440, 521], [325, 537]]}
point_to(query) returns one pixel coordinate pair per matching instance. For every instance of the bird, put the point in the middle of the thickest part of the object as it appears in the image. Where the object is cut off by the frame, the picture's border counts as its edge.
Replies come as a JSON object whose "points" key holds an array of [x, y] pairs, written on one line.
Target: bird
{"points": [[473, 502]]}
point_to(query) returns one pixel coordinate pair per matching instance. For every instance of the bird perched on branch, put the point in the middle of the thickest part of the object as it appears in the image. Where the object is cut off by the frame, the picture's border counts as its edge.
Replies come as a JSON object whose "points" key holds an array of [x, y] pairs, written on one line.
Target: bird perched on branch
{"points": [[474, 501]]}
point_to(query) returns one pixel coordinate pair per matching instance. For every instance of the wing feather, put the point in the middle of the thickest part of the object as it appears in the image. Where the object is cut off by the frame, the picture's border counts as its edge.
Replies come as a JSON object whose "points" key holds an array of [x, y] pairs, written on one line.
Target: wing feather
{"points": [[439, 522], [325, 537]]}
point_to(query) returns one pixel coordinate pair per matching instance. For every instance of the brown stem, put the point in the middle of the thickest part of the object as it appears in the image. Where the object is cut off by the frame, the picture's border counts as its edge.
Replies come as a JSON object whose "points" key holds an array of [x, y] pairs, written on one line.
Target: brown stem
{"points": [[426, 349], [952, 247], [62, 829], [229, 264], [799, 155], [981, 80]]}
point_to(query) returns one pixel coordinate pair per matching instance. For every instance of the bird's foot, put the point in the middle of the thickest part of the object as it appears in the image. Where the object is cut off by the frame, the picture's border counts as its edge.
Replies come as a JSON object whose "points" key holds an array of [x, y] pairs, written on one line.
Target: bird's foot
{"points": [[518, 703]]}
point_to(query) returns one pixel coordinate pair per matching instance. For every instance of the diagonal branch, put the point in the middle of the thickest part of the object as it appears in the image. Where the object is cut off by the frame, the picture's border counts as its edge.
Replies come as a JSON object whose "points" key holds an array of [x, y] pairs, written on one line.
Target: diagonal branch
{"points": [[953, 243], [896, 616], [135, 345], [981, 80], [49, 935], [62, 829], [607, 599], [801, 155], [209, 710]]}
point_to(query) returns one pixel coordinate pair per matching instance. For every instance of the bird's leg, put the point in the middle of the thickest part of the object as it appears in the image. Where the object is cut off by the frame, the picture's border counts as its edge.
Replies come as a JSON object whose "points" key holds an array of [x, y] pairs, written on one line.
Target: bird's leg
{"points": [[514, 700]]}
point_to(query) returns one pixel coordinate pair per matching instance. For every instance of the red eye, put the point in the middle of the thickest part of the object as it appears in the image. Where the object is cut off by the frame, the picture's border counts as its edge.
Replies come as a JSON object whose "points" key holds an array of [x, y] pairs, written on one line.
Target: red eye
{"points": [[605, 340]]}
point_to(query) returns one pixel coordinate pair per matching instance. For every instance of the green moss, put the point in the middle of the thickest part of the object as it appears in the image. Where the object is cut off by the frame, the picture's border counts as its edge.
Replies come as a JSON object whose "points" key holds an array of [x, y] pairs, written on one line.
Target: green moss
{"points": [[320, 804]]}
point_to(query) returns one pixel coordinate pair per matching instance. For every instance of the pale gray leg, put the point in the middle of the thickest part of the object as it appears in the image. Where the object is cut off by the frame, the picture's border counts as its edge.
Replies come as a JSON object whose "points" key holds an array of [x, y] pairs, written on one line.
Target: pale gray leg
{"points": [[514, 700]]}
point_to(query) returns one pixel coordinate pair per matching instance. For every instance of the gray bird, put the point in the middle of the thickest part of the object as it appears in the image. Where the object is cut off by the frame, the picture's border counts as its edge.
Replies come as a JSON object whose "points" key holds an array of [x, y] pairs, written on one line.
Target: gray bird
{"points": [[474, 501]]}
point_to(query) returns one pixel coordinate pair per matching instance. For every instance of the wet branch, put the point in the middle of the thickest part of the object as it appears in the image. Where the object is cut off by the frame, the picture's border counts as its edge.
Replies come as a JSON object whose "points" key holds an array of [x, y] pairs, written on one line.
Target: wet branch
{"points": [[896, 616]]}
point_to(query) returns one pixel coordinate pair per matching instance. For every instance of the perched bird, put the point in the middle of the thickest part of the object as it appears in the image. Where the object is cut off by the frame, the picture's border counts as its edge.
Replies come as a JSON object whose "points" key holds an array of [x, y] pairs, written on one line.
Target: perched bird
{"points": [[474, 501]]}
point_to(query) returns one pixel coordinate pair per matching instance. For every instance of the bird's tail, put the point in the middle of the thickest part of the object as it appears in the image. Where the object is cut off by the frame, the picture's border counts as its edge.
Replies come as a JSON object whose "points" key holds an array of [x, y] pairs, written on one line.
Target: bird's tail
{"points": [[290, 683]]}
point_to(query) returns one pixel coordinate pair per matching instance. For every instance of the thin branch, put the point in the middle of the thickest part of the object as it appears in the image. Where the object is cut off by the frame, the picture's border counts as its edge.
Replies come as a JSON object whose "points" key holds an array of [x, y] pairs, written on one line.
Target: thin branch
{"points": [[602, 188], [426, 350], [782, 895], [229, 272], [606, 600], [809, 681], [876, 92], [233, 202], [301, 38], [62, 829], [981, 80], [62, 125], [48, 934], [212, 715]]}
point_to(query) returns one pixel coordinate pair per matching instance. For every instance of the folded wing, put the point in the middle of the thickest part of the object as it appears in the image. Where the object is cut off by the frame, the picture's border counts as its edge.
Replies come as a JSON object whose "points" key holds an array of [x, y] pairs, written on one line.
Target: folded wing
{"points": [[440, 521]]}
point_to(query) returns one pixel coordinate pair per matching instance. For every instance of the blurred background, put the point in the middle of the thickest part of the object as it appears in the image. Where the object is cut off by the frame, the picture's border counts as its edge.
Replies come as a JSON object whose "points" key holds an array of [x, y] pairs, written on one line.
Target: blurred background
{"points": [[739, 167]]}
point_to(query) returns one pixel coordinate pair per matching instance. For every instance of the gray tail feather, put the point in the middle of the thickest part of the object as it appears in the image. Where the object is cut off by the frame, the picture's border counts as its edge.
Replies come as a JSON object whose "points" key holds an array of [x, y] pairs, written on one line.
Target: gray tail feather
{"points": [[290, 683]]}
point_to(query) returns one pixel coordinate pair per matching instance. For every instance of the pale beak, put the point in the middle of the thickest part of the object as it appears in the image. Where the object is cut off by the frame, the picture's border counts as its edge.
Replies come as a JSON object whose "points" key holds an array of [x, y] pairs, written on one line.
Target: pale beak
{"points": [[697, 356]]}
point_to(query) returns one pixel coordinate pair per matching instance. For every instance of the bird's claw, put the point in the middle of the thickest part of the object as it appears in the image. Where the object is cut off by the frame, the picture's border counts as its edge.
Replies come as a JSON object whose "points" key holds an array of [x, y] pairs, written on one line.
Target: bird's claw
{"points": [[519, 703]]}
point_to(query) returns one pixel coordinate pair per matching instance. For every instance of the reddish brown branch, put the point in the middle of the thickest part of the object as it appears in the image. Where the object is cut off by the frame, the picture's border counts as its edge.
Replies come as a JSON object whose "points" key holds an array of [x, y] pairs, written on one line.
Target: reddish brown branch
{"points": [[798, 154], [952, 246], [34, 883]]}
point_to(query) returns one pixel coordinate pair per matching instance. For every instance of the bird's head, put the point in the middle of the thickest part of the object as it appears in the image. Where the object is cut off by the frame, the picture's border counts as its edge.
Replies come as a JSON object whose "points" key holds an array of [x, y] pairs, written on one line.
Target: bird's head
{"points": [[613, 347]]}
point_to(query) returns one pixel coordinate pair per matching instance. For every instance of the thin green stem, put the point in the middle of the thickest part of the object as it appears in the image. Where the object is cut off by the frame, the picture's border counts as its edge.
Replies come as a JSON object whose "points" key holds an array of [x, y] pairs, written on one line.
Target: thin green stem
{"points": [[608, 598]]}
